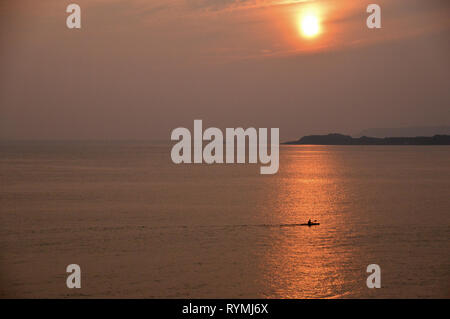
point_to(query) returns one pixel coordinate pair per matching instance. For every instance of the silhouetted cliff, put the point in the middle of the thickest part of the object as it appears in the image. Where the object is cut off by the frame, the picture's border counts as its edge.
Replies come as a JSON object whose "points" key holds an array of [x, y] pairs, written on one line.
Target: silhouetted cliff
{"points": [[339, 139]]}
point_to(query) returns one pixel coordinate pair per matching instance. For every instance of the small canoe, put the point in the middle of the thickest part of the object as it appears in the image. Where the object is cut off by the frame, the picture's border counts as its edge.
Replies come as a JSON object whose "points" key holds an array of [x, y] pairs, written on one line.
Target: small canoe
{"points": [[295, 225]]}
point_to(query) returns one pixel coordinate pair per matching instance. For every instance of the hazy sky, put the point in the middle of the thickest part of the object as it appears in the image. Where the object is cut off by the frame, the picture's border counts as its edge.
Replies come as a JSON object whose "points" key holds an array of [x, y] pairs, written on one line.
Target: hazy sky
{"points": [[139, 68]]}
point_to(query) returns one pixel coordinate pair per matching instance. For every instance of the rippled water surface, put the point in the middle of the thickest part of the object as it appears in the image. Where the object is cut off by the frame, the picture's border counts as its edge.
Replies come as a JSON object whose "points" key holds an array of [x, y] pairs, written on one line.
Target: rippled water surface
{"points": [[140, 226]]}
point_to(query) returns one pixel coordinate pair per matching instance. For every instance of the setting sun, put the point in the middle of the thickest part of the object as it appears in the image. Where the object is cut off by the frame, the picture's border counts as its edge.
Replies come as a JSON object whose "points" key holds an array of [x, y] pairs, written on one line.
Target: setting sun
{"points": [[310, 26]]}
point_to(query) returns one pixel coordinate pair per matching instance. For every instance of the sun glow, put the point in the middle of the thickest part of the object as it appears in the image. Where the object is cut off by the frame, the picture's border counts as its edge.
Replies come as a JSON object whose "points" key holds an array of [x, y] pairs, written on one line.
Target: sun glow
{"points": [[310, 25]]}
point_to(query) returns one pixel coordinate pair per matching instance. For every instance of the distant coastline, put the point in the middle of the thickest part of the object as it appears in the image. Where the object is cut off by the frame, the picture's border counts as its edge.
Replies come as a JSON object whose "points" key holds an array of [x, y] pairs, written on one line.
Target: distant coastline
{"points": [[340, 139]]}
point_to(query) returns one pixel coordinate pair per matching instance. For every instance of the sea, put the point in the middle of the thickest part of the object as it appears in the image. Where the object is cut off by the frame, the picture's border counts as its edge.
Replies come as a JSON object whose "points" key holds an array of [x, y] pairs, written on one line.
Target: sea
{"points": [[140, 226]]}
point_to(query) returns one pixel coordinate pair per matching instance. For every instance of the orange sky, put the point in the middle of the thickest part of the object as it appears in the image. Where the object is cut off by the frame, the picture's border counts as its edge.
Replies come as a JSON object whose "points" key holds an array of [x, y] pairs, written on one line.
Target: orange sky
{"points": [[139, 68]]}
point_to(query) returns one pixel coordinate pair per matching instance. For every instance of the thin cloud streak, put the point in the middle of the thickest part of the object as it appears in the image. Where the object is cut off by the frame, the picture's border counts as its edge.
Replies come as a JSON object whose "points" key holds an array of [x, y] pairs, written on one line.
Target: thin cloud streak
{"points": [[232, 5]]}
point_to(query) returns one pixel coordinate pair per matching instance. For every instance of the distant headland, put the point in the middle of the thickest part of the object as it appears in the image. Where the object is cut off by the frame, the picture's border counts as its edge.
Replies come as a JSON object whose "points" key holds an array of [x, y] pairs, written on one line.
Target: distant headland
{"points": [[340, 139]]}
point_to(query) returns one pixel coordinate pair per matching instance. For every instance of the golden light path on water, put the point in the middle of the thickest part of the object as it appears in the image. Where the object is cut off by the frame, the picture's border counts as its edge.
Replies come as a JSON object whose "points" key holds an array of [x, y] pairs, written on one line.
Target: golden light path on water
{"points": [[307, 262]]}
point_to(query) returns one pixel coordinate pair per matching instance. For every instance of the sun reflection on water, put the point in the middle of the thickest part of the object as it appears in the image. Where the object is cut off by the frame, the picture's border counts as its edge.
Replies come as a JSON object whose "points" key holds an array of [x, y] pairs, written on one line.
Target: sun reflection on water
{"points": [[307, 261]]}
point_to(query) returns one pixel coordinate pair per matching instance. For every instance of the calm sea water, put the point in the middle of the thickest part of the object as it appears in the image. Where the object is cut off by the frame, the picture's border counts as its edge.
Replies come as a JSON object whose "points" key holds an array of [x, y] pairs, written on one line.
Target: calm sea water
{"points": [[140, 226]]}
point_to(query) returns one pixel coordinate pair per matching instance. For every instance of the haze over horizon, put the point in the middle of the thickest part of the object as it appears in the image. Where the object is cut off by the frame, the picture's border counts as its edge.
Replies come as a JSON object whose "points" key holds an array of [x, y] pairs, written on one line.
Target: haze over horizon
{"points": [[138, 69]]}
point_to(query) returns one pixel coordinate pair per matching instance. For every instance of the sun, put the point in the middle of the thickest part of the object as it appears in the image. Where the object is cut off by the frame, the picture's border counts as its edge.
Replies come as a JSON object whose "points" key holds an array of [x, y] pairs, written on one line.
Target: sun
{"points": [[310, 26]]}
